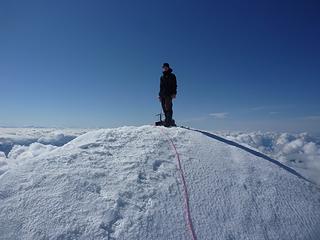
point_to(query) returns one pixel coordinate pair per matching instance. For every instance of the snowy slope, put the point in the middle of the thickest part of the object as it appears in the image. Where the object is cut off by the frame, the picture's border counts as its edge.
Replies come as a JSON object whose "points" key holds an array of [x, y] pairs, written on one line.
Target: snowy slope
{"points": [[299, 151], [124, 184]]}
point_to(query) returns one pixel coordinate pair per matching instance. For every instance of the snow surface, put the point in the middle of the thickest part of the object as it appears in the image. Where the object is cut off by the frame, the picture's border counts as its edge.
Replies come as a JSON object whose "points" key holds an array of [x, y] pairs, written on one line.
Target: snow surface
{"points": [[124, 183], [299, 151]]}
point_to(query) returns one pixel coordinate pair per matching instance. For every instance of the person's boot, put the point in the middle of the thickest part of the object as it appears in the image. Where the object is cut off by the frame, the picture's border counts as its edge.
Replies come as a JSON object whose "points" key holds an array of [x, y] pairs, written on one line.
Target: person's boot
{"points": [[173, 123], [167, 123], [169, 119]]}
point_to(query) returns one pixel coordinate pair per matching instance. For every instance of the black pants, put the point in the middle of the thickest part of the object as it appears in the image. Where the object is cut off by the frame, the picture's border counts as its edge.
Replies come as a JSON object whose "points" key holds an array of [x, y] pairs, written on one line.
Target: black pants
{"points": [[166, 103]]}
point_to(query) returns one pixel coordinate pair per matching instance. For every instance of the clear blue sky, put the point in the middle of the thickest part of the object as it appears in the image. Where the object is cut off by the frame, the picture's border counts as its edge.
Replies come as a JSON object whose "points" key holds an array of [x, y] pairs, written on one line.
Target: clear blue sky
{"points": [[240, 65]]}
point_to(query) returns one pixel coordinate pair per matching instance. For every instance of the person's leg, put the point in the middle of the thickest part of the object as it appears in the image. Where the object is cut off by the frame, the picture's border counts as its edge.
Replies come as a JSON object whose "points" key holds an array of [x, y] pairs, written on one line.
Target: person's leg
{"points": [[163, 105], [169, 111]]}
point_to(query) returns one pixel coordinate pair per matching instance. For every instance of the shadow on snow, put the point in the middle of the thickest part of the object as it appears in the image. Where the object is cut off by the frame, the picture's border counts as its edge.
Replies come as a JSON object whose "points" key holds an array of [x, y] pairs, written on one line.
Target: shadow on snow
{"points": [[256, 153]]}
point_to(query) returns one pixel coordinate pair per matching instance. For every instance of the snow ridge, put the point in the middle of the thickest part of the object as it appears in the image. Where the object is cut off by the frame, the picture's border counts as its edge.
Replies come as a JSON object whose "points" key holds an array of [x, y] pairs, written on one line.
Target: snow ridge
{"points": [[254, 152], [185, 189], [123, 183]]}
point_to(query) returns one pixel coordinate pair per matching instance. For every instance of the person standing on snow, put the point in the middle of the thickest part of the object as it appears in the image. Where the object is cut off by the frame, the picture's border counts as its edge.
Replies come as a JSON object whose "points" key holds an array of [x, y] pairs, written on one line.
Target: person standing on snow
{"points": [[168, 91]]}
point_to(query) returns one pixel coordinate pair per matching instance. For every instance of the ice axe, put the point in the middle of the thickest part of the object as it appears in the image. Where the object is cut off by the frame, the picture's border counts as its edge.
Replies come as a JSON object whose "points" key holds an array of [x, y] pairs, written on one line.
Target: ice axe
{"points": [[160, 122]]}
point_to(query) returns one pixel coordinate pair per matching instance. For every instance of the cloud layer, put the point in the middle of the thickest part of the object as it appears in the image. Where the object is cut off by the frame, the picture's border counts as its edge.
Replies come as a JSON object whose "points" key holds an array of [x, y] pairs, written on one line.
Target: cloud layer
{"points": [[220, 115], [300, 151]]}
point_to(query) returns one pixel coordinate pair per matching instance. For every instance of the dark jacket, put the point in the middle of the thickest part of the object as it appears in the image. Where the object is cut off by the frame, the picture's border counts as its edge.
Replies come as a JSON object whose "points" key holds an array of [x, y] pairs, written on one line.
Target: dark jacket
{"points": [[168, 84]]}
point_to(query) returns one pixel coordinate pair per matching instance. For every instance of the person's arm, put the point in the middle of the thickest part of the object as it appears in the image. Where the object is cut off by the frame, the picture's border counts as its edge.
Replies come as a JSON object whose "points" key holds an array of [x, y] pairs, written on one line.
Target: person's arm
{"points": [[174, 87], [161, 88]]}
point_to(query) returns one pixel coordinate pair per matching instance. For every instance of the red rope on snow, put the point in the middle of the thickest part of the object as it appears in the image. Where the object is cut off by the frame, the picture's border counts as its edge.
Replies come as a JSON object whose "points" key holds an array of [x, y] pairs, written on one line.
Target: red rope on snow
{"points": [[185, 189]]}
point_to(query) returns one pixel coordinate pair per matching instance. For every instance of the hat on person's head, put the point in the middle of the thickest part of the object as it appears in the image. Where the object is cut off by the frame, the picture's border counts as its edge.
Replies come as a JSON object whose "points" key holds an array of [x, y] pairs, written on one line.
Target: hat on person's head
{"points": [[166, 65]]}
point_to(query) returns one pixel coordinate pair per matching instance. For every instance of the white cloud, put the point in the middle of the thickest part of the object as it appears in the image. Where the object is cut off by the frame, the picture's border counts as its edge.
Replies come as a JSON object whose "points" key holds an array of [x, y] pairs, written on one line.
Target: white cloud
{"points": [[314, 118], [219, 115], [271, 108], [300, 151], [273, 113], [19, 152], [258, 108], [10, 137]]}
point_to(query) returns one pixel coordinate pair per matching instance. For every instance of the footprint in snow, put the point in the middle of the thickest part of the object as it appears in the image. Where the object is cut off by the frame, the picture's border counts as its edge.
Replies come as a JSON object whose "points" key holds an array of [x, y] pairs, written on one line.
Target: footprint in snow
{"points": [[90, 145], [156, 164]]}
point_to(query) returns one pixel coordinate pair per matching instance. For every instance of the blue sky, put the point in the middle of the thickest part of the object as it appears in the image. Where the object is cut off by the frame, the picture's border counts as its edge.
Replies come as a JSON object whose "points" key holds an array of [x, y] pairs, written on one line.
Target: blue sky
{"points": [[240, 65]]}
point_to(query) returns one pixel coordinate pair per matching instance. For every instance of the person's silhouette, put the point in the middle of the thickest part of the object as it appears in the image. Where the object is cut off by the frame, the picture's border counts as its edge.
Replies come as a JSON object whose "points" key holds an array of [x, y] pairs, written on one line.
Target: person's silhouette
{"points": [[168, 91]]}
